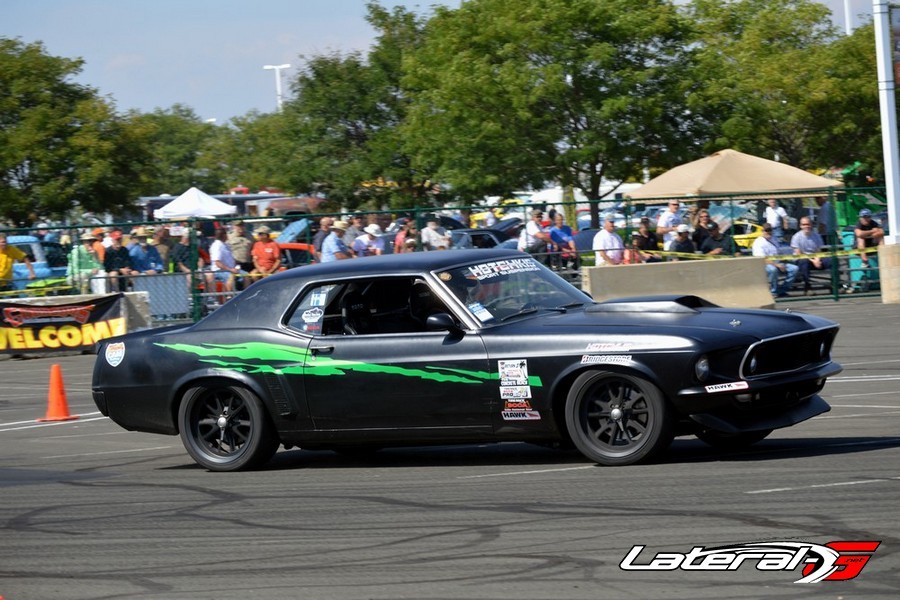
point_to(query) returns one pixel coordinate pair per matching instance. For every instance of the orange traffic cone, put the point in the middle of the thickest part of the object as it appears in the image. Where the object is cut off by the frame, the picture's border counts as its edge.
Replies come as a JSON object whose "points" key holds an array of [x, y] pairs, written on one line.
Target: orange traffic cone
{"points": [[57, 407]]}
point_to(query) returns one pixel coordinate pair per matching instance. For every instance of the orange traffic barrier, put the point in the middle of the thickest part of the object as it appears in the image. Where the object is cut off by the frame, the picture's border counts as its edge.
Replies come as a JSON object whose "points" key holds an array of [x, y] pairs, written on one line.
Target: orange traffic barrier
{"points": [[57, 407]]}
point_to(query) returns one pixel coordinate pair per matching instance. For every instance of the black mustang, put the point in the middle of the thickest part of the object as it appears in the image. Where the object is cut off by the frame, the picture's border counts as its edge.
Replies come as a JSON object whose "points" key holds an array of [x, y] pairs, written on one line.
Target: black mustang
{"points": [[461, 347]]}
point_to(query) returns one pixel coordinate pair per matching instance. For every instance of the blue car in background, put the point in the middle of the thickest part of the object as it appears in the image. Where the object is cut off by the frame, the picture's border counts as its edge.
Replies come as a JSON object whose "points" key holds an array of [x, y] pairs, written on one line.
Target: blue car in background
{"points": [[47, 258]]}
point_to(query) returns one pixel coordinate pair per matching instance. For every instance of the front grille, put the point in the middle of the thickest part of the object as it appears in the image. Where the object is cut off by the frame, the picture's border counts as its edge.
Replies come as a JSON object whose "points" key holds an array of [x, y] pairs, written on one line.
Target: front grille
{"points": [[788, 353]]}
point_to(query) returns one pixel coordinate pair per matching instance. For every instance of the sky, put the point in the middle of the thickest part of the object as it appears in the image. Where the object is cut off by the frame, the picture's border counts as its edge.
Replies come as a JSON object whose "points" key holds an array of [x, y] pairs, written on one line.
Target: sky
{"points": [[209, 54]]}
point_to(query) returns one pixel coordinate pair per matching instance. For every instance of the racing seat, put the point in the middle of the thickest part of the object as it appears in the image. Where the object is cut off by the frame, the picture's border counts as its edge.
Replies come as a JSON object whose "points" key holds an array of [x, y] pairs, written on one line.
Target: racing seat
{"points": [[423, 303], [355, 314]]}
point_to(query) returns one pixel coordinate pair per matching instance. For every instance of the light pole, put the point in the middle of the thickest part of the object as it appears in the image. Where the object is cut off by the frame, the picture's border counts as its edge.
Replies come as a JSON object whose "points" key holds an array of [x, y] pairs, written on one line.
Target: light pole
{"points": [[277, 69]]}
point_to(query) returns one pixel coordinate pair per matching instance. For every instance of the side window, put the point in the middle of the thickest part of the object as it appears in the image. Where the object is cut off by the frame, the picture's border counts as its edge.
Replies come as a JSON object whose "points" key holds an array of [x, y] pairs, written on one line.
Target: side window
{"points": [[365, 307], [317, 314]]}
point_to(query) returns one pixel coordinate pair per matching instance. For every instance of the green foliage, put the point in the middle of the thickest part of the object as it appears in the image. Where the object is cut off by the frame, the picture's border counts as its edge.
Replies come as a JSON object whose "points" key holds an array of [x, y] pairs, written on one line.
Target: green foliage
{"points": [[176, 141], [62, 148], [483, 99], [774, 79], [513, 93]]}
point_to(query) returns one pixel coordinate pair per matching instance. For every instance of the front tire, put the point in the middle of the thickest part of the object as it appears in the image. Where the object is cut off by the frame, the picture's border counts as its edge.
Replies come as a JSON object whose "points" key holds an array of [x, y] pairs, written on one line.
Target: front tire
{"points": [[616, 419], [226, 428]]}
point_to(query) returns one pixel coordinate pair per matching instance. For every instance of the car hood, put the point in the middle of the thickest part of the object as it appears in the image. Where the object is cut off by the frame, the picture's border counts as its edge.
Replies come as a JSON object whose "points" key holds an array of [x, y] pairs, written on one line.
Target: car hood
{"points": [[685, 316]]}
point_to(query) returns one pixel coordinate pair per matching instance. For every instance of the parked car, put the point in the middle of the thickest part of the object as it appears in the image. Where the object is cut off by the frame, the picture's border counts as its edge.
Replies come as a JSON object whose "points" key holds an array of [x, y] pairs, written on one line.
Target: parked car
{"points": [[47, 258], [744, 233], [476, 238], [461, 347]]}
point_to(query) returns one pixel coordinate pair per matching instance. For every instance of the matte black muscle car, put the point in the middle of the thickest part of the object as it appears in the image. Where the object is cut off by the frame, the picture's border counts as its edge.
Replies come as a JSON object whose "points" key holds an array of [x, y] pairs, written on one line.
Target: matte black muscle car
{"points": [[461, 347]]}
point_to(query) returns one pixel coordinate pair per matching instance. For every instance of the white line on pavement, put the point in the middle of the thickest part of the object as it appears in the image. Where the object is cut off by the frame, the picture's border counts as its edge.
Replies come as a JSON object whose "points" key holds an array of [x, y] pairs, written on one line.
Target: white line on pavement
{"points": [[5, 427], [528, 472], [822, 485], [110, 452]]}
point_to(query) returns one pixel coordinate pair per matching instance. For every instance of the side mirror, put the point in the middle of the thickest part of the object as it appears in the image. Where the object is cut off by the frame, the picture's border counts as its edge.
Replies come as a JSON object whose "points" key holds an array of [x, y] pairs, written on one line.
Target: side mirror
{"points": [[442, 322]]}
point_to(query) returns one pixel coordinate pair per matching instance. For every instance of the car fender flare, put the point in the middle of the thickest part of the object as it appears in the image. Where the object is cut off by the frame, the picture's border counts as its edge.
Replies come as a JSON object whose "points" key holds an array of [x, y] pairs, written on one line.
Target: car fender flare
{"points": [[559, 388], [197, 377]]}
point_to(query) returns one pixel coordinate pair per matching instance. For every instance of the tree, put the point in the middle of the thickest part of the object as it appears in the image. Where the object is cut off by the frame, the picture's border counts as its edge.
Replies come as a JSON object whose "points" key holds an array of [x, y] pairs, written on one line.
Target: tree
{"points": [[773, 79], [177, 142], [513, 93], [62, 147], [342, 122]]}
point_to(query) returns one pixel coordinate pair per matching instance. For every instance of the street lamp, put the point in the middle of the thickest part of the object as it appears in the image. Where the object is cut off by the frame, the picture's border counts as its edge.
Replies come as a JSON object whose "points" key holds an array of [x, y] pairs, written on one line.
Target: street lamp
{"points": [[277, 69]]}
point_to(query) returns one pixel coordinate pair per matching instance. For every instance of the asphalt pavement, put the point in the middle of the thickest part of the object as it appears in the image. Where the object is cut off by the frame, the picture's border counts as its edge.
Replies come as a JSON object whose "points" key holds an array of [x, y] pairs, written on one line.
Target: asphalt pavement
{"points": [[91, 511]]}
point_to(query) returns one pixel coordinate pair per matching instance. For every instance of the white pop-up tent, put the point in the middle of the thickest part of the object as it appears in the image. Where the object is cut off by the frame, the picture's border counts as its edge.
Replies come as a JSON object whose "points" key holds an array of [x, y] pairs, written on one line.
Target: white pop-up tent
{"points": [[194, 203]]}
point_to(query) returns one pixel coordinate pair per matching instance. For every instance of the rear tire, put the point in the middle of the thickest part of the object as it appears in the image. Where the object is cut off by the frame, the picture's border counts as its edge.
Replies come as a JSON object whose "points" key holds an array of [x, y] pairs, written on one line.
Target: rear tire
{"points": [[226, 428], [616, 419]]}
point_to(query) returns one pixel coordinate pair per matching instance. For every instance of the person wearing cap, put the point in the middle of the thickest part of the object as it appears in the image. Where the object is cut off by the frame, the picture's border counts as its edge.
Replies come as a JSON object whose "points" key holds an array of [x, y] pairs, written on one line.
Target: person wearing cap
{"points": [[683, 243], [117, 262], [534, 239], [370, 243], [8, 256], [266, 254], [869, 234], [145, 258], [644, 241], [767, 247], [717, 243], [609, 249], [85, 269], [241, 245], [333, 248]]}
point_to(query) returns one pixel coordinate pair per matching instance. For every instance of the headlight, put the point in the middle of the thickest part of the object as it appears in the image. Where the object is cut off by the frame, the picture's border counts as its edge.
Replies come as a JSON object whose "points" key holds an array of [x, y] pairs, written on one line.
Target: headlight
{"points": [[701, 368], [752, 365], [823, 348]]}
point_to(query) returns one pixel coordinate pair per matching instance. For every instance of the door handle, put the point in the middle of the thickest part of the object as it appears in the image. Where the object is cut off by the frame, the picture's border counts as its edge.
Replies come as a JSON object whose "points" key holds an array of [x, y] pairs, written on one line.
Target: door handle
{"points": [[321, 349]]}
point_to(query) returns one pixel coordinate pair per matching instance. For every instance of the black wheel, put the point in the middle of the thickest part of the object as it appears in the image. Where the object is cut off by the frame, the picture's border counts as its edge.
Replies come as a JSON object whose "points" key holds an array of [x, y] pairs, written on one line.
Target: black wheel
{"points": [[732, 441], [616, 419], [226, 428]]}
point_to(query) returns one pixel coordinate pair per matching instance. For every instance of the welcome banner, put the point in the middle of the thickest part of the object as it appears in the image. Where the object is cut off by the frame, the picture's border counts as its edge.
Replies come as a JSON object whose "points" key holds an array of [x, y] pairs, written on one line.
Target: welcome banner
{"points": [[52, 328]]}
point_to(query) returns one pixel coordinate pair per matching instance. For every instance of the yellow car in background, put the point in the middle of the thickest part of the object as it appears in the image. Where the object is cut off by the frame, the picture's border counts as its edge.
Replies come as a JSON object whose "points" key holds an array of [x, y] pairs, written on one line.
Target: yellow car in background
{"points": [[745, 232]]}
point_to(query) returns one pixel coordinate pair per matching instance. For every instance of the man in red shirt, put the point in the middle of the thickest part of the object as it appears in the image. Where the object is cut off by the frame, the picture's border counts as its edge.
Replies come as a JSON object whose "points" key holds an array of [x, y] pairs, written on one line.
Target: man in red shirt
{"points": [[265, 253]]}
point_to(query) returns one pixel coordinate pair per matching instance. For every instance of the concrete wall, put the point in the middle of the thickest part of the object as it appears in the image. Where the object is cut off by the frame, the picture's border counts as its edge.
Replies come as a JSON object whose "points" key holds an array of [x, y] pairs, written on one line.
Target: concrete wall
{"points": [[889, 273], [729, 282]]}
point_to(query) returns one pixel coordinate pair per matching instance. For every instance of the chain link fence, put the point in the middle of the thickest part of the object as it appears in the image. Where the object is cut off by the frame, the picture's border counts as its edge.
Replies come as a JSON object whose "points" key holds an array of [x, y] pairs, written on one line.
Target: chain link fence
{"points": [[171, 261]]}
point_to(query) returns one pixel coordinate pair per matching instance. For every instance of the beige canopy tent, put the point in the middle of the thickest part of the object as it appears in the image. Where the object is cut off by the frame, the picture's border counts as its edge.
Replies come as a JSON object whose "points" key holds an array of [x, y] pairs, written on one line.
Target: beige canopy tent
{"points": [[731, 172]]}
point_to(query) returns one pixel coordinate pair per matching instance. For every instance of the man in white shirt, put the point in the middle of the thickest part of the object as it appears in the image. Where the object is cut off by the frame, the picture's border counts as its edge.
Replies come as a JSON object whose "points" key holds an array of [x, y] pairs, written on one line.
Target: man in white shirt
{"points": [[777, 217], [224, 267], [533, 238], [435, 237], [767, 247], [608, 246], [667, 223]]}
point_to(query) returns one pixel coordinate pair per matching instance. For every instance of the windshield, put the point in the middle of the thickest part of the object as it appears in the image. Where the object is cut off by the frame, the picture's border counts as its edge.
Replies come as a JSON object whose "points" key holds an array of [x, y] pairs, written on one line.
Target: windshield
{"points": [[500, 290]]}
